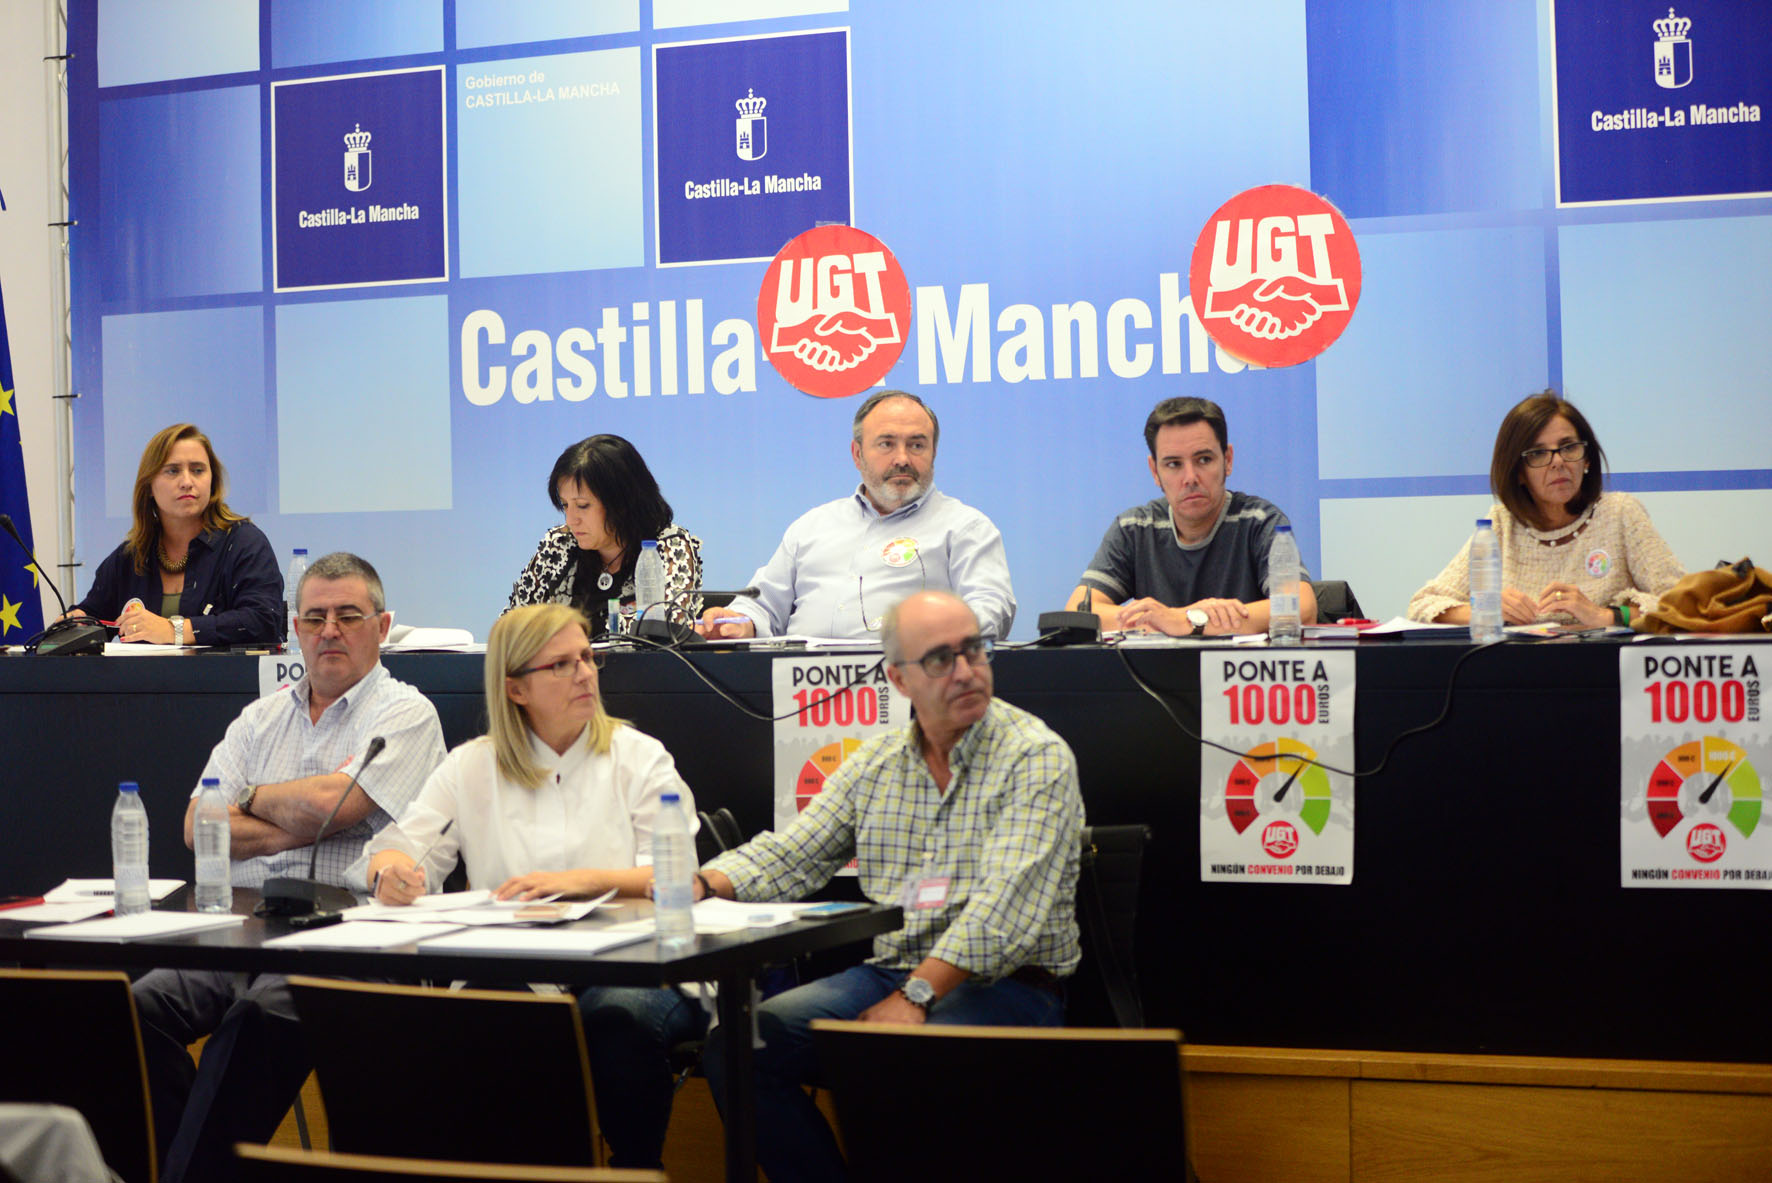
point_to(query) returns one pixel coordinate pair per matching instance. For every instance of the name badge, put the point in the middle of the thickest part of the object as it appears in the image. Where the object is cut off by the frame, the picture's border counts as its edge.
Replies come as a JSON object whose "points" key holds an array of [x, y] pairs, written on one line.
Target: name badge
{"points": [[900, 552], [931, 892]]}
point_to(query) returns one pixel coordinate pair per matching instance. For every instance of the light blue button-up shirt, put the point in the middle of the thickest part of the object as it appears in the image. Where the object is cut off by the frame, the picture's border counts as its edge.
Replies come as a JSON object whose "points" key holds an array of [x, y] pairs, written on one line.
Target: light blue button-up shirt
{"points": [[842, 565]]}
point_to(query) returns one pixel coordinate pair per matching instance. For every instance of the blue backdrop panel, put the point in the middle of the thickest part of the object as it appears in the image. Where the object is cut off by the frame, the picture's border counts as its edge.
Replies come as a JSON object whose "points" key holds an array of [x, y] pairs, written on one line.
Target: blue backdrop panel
{"points": [[202, 366], [362, 417], [140, 42], [1042, 182], [499, 22], [182, 195], [1636, 87], [578, 202], [304, 32], [753, 144], [359, 180]]}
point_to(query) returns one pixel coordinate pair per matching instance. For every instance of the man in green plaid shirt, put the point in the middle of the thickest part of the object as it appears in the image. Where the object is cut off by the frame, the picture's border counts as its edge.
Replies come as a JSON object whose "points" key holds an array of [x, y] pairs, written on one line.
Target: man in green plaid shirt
{"points": [[969, 818]]}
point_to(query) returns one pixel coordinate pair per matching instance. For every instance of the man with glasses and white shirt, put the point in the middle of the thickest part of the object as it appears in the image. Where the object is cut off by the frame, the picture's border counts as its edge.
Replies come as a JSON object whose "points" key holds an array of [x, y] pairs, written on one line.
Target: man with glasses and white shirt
{"points": [[969, 818], [283, 765], [842, 564]]}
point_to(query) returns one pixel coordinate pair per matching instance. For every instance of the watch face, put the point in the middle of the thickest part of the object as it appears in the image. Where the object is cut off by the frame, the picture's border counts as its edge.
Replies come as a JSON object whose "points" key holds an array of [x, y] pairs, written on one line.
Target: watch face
{"points": [[1197, 617], [919, 991]]}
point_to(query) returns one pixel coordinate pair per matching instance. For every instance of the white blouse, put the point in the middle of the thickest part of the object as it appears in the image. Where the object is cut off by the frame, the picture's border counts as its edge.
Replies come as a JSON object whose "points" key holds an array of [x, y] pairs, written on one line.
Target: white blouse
{"points": [[591, 811]]}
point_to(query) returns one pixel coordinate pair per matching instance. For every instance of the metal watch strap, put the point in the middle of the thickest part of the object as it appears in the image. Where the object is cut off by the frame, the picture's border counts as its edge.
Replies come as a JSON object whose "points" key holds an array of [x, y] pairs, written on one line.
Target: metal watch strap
{"points": [[178, 630], [245, 801]]}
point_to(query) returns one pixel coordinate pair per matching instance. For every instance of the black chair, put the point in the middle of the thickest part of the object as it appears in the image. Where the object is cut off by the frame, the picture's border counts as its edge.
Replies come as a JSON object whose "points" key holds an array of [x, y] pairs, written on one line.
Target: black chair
{"points": [[271, 1164], [719, 833], [72, 1038], [484, 1076], [1105, 991], [1335, 599], [1013, 1102]]}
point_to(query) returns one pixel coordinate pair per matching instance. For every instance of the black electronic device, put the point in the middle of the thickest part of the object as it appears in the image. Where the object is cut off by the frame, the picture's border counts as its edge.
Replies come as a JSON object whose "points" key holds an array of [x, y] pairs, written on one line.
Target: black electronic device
{"points": [[67, 637], [1071, 628], [285, 895]]}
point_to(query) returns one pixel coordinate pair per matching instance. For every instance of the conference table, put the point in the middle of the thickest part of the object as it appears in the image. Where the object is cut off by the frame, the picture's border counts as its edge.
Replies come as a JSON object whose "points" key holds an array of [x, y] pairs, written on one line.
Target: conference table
{"points": [[731, 960], [1485, 913]]}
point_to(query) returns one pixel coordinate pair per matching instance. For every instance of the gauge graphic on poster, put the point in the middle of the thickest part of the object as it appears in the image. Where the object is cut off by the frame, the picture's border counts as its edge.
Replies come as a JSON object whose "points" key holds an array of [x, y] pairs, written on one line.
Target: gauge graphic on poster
{"points": [[818, 768], [1706, 780], [1278, 779]]}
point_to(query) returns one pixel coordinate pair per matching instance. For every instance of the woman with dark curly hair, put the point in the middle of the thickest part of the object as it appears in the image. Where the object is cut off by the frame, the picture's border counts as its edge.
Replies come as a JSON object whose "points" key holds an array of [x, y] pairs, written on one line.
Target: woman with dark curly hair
{"points": [[612, 504]]}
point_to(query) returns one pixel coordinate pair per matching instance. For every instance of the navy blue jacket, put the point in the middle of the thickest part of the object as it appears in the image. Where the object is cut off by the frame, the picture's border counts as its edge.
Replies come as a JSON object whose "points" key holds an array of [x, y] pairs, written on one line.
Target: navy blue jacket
{"points": [[233, 590]]}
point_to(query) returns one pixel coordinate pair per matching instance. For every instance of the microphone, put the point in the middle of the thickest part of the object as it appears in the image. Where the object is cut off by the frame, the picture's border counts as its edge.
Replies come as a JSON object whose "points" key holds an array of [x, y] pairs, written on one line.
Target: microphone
{"points": [[64, 636], [750, 593], [312, 902], [1081, 627]]}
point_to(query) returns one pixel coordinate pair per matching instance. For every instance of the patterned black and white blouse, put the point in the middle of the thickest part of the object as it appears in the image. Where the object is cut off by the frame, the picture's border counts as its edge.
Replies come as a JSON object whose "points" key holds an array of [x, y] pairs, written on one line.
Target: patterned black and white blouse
{"points": [[549, 575]]}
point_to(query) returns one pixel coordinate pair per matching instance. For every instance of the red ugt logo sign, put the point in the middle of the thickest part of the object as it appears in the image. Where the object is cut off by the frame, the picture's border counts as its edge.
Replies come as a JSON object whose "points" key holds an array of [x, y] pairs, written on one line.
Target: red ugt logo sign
{"points": [[1275, 275], [833, 311]]}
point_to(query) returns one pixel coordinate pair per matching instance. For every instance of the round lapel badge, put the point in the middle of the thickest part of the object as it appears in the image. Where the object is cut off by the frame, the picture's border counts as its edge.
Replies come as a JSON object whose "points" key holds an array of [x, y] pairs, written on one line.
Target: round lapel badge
{"points": [[900, 552], [1598, 563]]}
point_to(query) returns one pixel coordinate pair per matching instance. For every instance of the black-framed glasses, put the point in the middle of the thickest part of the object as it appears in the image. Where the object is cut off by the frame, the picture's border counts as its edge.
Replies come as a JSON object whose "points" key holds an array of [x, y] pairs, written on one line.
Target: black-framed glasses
{"points": [[314, 623], [1540, 457], [939, 661], [566, 667]]}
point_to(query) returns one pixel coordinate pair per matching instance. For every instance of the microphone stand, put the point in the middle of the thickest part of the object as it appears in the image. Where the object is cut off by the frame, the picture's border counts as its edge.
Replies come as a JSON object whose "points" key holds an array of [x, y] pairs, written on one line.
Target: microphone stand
{"points": [[308, 902], [69, 637]]}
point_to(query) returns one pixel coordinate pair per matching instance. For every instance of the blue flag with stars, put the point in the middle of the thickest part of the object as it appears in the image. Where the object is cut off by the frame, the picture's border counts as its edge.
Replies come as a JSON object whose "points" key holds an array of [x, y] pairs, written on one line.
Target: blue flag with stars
{"points": [[21, 605]]}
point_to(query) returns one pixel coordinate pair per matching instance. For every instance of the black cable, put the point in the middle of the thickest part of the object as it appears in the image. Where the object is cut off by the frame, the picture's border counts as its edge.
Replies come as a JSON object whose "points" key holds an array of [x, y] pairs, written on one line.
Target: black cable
{"points": [[1445, 711], [744, 708]]}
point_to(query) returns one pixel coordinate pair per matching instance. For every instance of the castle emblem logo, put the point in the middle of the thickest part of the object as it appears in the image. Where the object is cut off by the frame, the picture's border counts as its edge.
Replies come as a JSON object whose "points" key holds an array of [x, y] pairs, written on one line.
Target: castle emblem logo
{"points": [[753, 129], [1673, 52], [357, 175]]}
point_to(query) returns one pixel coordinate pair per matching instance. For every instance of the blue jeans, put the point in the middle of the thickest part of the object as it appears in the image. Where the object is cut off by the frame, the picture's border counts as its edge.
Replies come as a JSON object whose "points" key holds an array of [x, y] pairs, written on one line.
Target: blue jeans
{"points": [[794, 1142], [629, 1033]]}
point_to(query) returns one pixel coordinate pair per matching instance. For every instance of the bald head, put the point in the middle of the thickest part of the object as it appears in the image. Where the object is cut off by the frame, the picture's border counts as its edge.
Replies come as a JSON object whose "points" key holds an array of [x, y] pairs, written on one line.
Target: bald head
{"points": [[913, 613]]}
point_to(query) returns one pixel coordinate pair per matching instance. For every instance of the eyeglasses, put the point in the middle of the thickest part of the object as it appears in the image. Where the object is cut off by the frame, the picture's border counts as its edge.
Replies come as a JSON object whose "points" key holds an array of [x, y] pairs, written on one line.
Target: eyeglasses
{"points": [[1540, 457], [314, 622], [566, 667], [939, 661]]}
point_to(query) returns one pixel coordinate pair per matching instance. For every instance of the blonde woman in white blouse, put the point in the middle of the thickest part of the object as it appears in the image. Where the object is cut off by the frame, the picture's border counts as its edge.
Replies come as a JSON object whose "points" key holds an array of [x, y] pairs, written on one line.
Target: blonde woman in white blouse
{"points": [[1571, 553], [558, 797]]}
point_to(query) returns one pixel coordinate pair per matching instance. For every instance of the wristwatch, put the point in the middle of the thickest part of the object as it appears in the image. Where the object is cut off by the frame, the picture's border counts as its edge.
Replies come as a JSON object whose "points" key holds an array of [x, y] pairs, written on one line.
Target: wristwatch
{"points": [[245, 801], [178, 629], [919, 991], [1198, 618]]}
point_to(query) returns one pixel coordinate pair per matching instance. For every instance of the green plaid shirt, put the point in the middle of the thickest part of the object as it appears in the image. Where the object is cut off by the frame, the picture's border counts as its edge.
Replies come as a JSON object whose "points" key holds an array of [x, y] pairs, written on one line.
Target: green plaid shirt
{"points": [[1004, 835]]}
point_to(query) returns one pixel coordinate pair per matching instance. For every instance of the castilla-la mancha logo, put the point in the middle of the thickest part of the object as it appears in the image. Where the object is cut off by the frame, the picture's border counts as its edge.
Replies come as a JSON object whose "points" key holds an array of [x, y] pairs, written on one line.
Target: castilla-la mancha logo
{"points": [[1275, 275], [753, 128], [357, 176], [1673, 52], [833, 311]]}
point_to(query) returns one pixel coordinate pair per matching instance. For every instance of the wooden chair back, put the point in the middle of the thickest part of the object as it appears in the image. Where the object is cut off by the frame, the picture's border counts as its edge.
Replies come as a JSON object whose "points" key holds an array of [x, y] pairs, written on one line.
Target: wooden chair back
{"points": [[938, 1103], [462, 1075], [274, 1164], [71, 1037]]}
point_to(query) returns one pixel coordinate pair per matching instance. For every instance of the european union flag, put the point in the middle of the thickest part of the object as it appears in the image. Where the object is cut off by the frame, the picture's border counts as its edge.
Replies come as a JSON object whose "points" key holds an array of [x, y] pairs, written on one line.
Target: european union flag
{"points": [[21, 605]]}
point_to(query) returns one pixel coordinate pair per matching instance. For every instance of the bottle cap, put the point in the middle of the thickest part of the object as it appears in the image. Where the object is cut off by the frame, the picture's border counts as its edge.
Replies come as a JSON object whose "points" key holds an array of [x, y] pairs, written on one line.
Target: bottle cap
{"points": [[301, 550], [129, 786], [649, 544], [212, 780], [669, 797], [1483, 523]]}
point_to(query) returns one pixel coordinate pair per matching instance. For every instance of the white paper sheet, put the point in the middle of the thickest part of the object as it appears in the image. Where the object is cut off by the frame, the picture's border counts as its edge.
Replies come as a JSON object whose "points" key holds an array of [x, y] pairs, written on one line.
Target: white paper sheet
{"points": [[138, 927]]}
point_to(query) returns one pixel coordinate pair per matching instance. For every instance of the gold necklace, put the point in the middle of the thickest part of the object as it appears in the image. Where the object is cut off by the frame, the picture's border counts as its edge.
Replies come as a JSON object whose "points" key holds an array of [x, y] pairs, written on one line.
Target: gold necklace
{"points": [[170, 567]]}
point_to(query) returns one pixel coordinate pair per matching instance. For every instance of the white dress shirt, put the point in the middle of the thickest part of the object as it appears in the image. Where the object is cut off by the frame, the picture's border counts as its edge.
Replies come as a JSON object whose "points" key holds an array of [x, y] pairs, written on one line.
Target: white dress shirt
{"points": [[842, 565], [275, 740], [591, 811]]}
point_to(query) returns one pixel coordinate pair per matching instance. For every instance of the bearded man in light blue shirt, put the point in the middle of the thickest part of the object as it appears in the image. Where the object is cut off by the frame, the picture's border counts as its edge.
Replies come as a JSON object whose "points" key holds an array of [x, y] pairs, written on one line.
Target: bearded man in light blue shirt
{"points": [[841, 565]]}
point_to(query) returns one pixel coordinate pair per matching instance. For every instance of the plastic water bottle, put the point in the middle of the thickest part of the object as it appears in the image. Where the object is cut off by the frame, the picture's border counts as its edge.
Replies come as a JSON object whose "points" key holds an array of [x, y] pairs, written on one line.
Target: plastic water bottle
{"points": [[129, 851], [648, 578], [1485, 580], [673, 875], [298, 566], [1283, 627], [210, 828]]}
